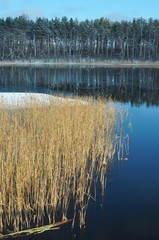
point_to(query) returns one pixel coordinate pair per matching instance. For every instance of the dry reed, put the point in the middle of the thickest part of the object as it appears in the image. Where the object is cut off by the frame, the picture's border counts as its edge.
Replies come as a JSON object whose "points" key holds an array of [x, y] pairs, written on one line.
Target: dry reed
{"points": [[52, 154]]}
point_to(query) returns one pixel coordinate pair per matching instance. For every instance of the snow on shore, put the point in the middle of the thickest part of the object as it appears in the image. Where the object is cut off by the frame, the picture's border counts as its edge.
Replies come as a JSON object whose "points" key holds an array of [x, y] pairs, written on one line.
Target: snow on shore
{"points": [[18, 100]]}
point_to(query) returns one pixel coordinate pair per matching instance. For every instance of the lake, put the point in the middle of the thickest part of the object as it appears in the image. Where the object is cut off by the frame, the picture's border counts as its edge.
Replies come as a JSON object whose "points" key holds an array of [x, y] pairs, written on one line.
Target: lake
{"points": [[129, 208]]}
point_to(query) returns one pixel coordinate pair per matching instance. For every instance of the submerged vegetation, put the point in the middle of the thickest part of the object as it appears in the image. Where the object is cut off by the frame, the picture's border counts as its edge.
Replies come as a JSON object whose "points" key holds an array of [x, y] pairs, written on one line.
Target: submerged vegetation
{"points": [[51, 157]]}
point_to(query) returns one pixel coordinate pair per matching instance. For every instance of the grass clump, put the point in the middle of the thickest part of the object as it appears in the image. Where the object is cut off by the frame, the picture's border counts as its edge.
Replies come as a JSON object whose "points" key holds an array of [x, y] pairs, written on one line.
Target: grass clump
{"points": [[51, 156]]}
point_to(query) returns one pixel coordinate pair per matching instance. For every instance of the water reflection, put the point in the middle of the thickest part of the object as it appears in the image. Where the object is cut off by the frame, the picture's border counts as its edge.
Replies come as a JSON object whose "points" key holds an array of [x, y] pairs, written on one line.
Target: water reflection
{"points": [[135, 85]]}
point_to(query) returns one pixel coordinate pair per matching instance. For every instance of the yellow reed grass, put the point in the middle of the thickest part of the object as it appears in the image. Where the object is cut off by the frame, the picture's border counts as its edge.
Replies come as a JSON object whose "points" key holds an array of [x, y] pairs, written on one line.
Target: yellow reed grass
{"points": [[52, 154]]}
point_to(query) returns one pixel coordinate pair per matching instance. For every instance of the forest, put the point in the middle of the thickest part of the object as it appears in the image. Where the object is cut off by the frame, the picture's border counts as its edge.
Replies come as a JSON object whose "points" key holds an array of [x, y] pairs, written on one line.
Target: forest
{"points": [[72, 40]]}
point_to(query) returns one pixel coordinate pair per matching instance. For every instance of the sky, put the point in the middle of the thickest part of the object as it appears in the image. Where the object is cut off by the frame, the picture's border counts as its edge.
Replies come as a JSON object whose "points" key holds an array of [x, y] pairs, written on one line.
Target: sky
{"points": [[83, 9]]}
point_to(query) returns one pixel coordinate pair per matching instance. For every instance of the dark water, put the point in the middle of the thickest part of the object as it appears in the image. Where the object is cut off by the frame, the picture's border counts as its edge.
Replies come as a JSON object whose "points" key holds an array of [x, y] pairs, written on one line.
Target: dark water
{"points": [[134, 85], [130, 206]]}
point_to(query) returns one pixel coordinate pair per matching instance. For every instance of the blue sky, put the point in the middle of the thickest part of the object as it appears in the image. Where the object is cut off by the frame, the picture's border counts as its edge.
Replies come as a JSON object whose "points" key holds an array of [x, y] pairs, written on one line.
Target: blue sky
{"points": [[90, 9]]}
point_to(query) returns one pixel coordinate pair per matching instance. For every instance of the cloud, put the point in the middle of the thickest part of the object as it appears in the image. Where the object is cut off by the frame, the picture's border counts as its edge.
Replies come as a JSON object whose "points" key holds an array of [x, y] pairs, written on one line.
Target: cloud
{"points": [[72, 9], [32, 13], [66, 10], [54, 15], [116, 16], [5, 4]]}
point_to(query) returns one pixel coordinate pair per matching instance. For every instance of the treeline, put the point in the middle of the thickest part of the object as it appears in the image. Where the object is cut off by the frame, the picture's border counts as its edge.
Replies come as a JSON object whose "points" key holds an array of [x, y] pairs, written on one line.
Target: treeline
{"points": [[73, 40]]}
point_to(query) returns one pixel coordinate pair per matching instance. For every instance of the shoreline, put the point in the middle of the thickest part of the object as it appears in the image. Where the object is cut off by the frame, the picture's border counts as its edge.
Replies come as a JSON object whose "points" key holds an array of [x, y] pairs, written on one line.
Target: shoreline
{"points": [[134, 64]]}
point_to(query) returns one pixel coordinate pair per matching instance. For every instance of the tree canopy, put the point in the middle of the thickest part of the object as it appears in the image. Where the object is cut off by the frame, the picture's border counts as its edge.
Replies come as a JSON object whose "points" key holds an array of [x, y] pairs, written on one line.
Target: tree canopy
{"points": [[74, 40]]}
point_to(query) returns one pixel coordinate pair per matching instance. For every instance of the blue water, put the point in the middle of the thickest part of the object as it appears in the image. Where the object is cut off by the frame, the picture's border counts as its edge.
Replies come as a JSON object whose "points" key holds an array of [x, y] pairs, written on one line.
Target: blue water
{"points": [[129, 209], [131, 202]]}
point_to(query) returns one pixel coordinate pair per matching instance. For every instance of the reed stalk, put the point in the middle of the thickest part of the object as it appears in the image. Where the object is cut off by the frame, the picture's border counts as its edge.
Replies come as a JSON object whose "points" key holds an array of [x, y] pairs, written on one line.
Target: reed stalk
{"points": [[52, 154]]}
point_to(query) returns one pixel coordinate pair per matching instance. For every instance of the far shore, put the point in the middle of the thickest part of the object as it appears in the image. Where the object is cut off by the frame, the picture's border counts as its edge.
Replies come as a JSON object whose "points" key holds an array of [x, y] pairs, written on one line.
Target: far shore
{"points": [[133, 64]]}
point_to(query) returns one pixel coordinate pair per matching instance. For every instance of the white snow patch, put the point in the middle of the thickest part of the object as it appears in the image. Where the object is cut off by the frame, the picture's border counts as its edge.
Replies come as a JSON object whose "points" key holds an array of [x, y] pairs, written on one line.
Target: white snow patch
{"points": [[20, 100]]}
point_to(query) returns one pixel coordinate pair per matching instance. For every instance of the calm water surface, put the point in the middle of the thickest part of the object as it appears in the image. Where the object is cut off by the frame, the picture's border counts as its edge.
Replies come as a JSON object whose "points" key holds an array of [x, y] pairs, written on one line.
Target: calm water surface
{"points": [[130, 206]]}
